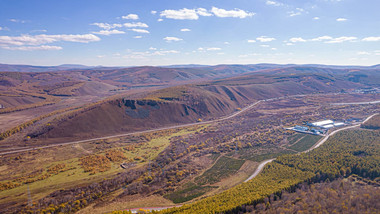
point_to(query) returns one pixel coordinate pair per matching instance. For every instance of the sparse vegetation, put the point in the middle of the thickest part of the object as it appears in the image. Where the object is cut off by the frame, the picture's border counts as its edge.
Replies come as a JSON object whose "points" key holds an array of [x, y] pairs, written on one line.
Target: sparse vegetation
{"points": [[305, 143], [181, 164], [341, 156], [188, 192], [224, 167]]}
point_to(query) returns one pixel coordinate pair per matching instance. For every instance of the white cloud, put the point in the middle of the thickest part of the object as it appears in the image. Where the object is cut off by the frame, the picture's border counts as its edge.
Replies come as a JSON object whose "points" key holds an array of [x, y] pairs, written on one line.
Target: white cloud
{"points": [[265, 39], [131, 16], [249, 55], [107, 26], [160, 20], [326, 39], [18, 21], [363, 53], [109, 32], [1, 28], [321, 38], [172, 39], [45, 39], [297, 12], [342, 39], [251, 41], [273, 49], [264, 46], [182, 14], [143, 55], [274, 3], [152, 48], [193, 14], [163, 53], [185, 30], [35, 31], [289, 44], [371, 39], [297, 39], [137, 37], [316, 18], [101, 56], [135, 24], [226, 43], [139, 30], [153, 12], [33, 48], [341, 19], [236, 13], [203, 12], [213, 49]]}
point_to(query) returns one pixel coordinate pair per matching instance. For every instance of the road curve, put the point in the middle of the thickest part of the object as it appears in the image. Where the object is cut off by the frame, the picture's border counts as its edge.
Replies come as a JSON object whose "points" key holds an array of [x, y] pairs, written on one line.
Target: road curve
{"points": [[259, 169], [136, 133], [262, 164]]}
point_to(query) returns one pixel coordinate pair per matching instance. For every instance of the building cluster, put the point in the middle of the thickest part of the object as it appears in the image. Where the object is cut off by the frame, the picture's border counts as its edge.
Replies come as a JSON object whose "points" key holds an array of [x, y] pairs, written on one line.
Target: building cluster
{"points": [[317, 128], [368, 90], [326, 124]]}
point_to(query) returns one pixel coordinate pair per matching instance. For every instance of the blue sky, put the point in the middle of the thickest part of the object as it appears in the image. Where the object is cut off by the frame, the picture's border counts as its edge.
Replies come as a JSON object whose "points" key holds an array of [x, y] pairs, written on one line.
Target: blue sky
{"points": [[164, 32]]}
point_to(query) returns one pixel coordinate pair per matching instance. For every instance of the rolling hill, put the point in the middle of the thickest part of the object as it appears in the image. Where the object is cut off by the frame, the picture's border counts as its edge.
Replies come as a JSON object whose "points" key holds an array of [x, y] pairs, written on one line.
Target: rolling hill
{"points": [[188, 103]]}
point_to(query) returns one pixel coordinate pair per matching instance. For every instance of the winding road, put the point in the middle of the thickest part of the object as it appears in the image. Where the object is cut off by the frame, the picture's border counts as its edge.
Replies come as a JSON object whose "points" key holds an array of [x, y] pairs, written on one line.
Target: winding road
{"points": [[255, 173], [262, 164], [322, 141], [135, 133], [259, 169]]}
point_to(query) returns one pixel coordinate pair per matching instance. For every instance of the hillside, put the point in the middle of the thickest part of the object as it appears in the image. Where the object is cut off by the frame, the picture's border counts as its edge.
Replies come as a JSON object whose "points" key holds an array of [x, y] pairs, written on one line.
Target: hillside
{"points": [[165, 167], [186, 104], [347, 153]]}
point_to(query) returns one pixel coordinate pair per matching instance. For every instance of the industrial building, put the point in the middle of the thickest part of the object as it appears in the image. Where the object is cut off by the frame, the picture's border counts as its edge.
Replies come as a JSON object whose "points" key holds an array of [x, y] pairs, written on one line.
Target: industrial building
{"points": [[326, 124], [301, 128]]}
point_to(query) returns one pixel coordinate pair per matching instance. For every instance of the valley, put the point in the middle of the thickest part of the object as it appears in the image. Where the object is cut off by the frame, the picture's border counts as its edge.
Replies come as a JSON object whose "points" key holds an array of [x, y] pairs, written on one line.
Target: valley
{"points": [[170, 145]]}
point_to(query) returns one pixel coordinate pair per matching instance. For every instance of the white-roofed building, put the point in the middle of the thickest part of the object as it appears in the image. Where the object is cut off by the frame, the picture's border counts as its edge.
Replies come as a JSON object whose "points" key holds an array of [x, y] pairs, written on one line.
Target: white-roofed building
{"points": [[322, 123], [328, 126], [339, 124]]}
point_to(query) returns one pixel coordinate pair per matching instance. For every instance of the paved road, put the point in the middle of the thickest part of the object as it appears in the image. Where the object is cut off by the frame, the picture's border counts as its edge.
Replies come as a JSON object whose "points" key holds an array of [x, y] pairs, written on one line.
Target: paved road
{"points": [[154, 130], [259, 169], [338, 130], [262, 164], [358, 103], [136, 133], [135, 210]]}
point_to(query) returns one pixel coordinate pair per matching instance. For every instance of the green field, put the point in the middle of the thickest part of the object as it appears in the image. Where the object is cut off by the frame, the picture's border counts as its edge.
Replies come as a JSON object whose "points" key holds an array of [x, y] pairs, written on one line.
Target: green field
{"points": [[292, 139], [266, 156], [224, 167], [188, 192], [305, 142]]}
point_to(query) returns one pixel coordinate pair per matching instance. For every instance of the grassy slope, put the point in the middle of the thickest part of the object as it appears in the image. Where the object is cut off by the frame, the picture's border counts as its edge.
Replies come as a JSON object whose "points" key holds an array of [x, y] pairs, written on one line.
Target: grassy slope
{"points": [[77, 176], [305, 143], [223, 168]]}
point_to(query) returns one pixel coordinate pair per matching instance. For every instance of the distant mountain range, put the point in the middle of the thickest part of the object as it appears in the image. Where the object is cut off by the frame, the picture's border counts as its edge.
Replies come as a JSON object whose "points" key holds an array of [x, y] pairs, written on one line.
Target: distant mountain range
{"points": [[251, 67]]}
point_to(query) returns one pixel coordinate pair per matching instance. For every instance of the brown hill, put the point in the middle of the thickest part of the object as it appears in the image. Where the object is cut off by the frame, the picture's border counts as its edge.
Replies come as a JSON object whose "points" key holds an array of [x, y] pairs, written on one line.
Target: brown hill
{"points": [[185, 104]]}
